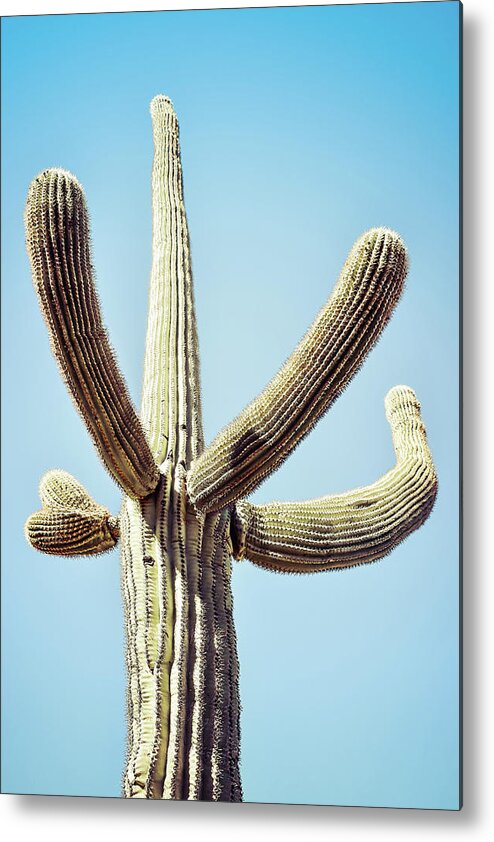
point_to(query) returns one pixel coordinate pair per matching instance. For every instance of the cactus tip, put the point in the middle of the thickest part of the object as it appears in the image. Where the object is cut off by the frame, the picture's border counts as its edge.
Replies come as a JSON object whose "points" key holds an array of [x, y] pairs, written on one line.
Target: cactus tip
{"points": [[388, 239], [52, 175], [383, 231], [398, 397], [56, 172], [161, 103]]}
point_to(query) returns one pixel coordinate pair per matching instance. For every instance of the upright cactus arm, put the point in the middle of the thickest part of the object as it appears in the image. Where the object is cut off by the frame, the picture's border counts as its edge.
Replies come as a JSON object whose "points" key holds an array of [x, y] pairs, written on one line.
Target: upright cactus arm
{"points": [[57, 235], [353, 528], [70, 522], [331, 352]]}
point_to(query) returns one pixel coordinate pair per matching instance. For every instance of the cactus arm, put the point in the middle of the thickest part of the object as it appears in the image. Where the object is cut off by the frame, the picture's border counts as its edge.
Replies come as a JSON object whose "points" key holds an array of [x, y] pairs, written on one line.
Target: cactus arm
{"points": [[331, 352], [353, 528], [72, 533], [70, 522], [57, 236]]}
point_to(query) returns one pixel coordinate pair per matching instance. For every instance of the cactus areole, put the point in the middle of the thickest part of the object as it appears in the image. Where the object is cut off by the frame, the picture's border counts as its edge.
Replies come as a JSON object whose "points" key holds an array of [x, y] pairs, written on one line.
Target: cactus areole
{"points": [[185, 513]]}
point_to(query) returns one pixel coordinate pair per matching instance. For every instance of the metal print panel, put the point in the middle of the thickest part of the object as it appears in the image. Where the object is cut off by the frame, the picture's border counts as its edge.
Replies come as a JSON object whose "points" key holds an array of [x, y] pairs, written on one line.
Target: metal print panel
{"points": [[243, 231]]}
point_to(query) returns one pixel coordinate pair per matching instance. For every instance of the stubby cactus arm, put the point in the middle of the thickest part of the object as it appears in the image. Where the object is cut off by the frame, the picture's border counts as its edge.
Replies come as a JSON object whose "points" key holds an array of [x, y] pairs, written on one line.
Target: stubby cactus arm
{"points": [[353, 528], [70, 522], [57, 237], [331, 352]]}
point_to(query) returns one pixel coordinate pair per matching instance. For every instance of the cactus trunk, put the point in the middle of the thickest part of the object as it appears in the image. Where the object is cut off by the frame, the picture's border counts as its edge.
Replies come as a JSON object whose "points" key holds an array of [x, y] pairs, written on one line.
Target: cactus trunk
{"points": [[183, 703], [183, 709]]}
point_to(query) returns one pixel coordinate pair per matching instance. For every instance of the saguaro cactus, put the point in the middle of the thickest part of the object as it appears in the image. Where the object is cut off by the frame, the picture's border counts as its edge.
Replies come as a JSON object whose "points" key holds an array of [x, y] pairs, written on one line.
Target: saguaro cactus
{"points": [[184, 512]]}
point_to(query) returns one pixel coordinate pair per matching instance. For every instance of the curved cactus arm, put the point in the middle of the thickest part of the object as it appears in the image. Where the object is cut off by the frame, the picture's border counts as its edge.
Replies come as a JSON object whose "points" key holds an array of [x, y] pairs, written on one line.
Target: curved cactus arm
{"points": [[328, 356], [353, 528], [70, 522], [57, 235]]}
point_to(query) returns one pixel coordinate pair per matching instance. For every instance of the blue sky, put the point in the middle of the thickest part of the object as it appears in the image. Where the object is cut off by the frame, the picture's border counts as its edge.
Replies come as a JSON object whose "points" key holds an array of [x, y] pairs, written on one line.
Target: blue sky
{"points": [[300, 128]]}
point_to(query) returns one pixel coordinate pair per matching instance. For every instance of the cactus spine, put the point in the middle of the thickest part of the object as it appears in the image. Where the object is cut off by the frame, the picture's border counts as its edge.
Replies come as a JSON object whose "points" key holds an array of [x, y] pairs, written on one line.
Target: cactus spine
{"points": [[184, 514]]}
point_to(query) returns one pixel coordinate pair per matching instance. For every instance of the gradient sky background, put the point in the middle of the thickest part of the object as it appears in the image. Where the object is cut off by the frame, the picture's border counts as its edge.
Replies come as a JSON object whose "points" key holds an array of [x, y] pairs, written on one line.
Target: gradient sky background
{"points": [[300, 128]]}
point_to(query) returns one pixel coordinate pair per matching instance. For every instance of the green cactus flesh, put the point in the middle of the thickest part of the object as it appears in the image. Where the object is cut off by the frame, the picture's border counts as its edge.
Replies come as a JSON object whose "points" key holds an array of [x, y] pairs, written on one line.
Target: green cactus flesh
{"points": [[184, 513]]}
